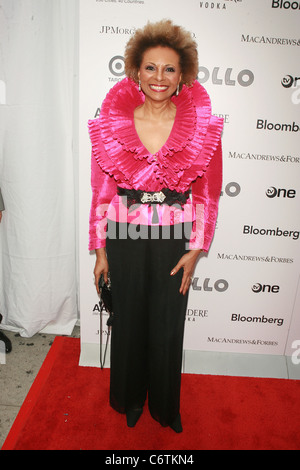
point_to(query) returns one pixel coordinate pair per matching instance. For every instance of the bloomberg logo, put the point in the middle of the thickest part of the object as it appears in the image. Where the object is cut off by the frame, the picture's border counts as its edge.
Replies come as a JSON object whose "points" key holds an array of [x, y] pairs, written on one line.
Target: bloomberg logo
{"points": [[271, 232], [262, 319], [270, 126], [286, 5]]}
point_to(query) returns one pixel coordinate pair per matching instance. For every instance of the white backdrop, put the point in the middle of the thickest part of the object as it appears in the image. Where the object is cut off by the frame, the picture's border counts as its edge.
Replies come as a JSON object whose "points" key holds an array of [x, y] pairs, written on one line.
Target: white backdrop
{"points": [[244, 293], [38, 282]]}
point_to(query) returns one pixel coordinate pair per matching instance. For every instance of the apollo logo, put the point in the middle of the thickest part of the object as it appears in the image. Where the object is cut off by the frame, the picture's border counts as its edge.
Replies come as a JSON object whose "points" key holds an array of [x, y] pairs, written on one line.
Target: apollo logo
{"points": [[220, 286], [273, 192], [232, 189], [258, 288], [244, 78]]}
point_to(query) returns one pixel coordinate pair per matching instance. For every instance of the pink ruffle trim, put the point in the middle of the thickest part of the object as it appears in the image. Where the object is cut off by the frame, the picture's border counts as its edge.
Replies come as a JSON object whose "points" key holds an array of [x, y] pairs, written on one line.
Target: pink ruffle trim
{"points": [[185, 156]]}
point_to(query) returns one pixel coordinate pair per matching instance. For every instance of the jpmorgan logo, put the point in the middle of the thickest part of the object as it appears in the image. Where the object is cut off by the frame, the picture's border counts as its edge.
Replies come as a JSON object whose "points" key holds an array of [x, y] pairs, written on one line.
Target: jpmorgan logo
{"points": [[273, 192], [116, 30], [261, 288], [117, 66], [244, 78]]}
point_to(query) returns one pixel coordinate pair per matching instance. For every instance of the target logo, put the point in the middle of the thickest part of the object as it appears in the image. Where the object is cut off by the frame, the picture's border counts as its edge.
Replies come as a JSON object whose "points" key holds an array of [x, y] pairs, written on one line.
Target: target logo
{"points": [[117, 66]]}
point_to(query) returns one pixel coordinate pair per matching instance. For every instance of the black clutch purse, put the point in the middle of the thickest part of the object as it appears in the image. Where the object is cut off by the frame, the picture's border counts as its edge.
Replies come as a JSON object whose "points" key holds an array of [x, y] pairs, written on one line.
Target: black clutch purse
{"points": [[106, 298], [105, 305]]}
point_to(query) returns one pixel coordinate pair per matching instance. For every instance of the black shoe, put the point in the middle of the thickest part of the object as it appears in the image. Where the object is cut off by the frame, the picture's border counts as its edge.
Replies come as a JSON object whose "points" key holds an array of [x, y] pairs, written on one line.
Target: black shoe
{"points": [[133, 416], [176, 425], [6, 341]]}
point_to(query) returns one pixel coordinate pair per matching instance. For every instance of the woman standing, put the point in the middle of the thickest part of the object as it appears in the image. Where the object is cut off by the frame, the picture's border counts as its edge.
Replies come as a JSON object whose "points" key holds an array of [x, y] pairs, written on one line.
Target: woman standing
{"points": [[156, 183]]}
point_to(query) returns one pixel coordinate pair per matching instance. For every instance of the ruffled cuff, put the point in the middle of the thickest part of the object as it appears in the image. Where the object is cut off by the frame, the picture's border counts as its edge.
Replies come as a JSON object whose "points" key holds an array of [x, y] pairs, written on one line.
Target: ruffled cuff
{"points": [[206, 193], [104, 189]]}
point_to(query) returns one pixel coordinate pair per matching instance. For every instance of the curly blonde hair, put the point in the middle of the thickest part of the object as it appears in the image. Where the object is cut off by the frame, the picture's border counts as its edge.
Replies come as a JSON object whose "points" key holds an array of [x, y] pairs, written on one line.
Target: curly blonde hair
{"points": [[163, 33]]}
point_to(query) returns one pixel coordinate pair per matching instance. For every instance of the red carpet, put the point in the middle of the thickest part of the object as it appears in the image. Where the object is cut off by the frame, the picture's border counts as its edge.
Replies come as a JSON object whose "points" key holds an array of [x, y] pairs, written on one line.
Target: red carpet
{"points": [[67, 409]]}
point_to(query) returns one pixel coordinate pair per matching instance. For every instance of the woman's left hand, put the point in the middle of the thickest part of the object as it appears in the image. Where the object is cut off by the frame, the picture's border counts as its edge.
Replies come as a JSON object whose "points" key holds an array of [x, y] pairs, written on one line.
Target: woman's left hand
{"points": [[188, 263]]}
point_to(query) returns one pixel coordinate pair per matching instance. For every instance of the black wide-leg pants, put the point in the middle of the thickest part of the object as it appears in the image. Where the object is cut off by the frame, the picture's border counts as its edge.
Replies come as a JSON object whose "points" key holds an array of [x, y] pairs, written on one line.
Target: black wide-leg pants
{"points": [[149, 316]]}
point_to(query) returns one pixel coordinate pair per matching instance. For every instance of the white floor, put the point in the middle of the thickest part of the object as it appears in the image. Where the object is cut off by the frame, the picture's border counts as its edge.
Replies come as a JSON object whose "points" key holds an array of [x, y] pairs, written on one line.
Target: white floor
{"points": [[217, 363], [242, 365]]}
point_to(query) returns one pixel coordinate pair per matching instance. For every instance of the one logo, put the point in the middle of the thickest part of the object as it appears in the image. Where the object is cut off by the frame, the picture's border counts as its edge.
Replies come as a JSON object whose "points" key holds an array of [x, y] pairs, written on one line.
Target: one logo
{"points": [[280, 192], [288, 81], [271, 192], [257, 288]]}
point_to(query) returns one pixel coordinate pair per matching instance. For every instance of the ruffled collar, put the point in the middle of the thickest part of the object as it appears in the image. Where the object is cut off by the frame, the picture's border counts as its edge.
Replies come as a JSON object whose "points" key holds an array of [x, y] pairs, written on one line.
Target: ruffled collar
{"points": [[185, 155], [117, 117]]}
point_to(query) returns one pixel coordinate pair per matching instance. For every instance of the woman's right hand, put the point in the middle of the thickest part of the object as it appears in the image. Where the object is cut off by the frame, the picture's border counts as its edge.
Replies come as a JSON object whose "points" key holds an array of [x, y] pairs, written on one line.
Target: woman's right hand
{"points": [[101, 267]]}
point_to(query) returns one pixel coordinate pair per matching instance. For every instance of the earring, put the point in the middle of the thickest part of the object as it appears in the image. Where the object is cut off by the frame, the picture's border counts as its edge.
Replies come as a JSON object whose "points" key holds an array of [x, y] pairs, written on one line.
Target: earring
{"points": [[140, 86], [177, 91]]}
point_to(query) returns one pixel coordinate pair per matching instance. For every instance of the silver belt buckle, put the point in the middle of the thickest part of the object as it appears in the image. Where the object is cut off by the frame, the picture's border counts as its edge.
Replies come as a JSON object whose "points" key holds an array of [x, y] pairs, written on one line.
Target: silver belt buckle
{"points": [[155, 197]]}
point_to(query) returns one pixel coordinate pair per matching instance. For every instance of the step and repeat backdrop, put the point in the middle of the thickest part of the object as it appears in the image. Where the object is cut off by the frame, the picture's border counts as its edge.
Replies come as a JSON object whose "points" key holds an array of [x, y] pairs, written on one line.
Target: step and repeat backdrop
{"points": [[245, 292]]}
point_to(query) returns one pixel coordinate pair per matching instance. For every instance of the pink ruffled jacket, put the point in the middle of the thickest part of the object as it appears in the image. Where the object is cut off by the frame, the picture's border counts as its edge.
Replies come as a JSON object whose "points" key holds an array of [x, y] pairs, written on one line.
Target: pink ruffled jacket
{"points": [[191, 159]]}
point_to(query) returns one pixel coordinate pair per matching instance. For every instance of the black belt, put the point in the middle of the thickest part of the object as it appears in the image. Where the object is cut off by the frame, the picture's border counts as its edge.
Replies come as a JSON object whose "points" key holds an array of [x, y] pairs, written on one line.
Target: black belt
{"points": [[165, 196]]}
